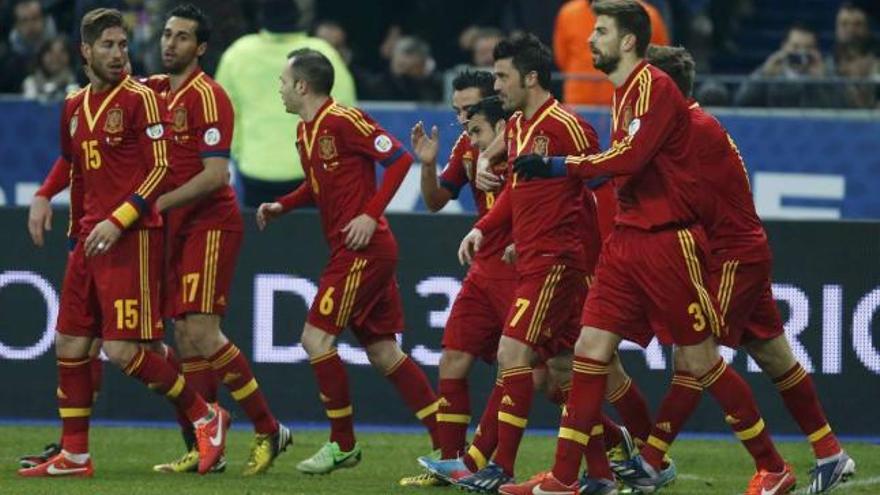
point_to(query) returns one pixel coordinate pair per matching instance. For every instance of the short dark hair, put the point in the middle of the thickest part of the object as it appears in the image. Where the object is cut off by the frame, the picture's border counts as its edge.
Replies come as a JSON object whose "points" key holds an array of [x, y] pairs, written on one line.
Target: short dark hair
{"points": [[490, 107], [96, 21], [193, 13], [677, 63], [528, 54], [852, 6], [312, 67], [631, 18], [480, 79]]}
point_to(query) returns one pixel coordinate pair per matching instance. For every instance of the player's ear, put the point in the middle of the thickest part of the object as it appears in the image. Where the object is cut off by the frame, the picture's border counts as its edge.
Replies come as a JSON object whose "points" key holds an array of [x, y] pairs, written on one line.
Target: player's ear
{"points": [[628, 42], [201, 49], [499, 126], [86, 51]]}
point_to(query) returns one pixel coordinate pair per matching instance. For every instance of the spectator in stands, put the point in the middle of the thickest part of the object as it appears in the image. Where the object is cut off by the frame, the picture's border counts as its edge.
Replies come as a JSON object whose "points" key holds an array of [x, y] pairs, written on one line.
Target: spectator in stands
{"points": [[854, 56], [18, 57], [410, 75], [53, 78], [484, 43], [263, 145], [584, 83], [792, 76], [332, 32]]}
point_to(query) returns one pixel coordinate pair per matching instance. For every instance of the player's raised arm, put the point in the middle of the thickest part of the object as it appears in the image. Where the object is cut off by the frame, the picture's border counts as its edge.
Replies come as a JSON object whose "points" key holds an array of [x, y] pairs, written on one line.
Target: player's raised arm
{"points": [[436, 193]]}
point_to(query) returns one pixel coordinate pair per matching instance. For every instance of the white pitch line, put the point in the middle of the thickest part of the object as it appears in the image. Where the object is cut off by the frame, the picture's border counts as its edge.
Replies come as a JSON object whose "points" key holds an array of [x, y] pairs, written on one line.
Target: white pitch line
{"points": [[851, 483], [693, 477]]}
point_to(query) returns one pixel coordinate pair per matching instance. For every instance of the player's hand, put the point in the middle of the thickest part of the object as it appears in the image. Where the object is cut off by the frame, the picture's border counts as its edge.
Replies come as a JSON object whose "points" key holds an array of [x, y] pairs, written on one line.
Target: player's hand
{"points": [[102, 238], [359, 231], [509, 255], [39, 219], [531, 166], [426, 148], [486, 180], [469, 246], [266, 212]]}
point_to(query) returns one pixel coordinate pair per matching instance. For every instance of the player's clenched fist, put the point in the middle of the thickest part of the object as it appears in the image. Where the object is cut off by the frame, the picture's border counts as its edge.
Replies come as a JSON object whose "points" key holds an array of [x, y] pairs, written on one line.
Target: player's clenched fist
{"points": [[469, 246], [509, 255], [266, 212]]}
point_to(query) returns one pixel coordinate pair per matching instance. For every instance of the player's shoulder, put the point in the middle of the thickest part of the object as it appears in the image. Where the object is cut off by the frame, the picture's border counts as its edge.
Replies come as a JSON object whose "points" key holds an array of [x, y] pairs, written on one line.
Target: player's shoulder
{"points": [[211, 84], [209, 95], [75, 98], [462, 143], [156, 82], [656, 79], [344, 118], [705, 124]]}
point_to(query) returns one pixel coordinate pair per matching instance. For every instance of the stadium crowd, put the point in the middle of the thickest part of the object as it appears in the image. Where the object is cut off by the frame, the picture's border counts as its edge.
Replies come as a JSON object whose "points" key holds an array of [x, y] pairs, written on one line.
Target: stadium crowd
{"points": [[748, 53]]}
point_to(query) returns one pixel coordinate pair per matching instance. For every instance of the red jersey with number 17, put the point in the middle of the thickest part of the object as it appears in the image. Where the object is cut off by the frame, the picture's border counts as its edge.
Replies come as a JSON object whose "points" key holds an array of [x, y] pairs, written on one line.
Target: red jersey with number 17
{"points": [[554, 220], [201, 118], [727, 210], [117, 145], [459, 169]]}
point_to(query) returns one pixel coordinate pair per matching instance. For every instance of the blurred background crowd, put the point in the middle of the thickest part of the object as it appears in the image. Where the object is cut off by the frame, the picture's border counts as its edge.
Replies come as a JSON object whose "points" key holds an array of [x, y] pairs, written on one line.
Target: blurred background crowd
{"points": [[749, 52]]}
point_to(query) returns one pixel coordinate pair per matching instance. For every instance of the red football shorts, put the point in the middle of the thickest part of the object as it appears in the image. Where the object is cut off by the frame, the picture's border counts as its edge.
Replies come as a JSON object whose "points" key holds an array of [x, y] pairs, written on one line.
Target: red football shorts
{"points": [[361, 293], [657, 277], [478, 316], [545, 310], [746, 301], [115, 295], [199, 272]]}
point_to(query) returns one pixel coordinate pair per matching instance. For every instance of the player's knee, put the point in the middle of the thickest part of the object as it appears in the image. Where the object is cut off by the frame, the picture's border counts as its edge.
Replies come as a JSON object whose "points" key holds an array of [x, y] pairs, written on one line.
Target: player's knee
{"points": [[120, 353], [700, 358], [596, 344], [69, 347], [678, 361], [773, 356], [383, 355], [316, 341], [455, 364], [513, 353]]}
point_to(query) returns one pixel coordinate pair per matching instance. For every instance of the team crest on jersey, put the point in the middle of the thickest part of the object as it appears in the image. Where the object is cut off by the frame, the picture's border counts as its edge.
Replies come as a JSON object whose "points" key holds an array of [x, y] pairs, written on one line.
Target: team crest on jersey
{"points": [[541, 145], [327, 148], [113, 122], [74, 121], [179, 122]]}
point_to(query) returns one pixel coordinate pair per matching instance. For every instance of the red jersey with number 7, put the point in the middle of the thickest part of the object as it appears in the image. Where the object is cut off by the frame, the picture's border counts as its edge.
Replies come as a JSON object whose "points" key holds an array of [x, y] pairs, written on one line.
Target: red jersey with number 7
{"points": [[117, 144], [460, 168], [554, 220]]}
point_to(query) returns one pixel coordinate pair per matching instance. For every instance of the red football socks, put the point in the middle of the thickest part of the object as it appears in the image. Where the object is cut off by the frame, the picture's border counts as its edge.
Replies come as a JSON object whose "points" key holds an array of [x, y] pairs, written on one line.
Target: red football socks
{"points": [[232, 368]]}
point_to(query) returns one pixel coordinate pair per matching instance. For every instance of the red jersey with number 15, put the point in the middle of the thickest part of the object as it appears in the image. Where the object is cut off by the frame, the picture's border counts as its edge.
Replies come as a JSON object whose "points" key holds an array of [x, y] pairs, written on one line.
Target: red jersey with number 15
{"points": [[201, 118], [459, 169], [117, 145]]}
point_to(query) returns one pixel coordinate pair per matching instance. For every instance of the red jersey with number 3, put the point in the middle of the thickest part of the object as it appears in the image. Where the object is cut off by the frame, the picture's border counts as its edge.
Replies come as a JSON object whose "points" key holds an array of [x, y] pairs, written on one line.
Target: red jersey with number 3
{"points": [[727, 210], [202, 119], [117, 144], [554, 220], [339, 150], [459, 169]]}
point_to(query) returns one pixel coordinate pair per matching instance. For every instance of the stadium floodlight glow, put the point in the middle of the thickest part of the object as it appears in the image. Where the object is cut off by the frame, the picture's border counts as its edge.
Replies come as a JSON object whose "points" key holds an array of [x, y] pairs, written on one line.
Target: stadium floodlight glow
{"points": [[50, 296]]}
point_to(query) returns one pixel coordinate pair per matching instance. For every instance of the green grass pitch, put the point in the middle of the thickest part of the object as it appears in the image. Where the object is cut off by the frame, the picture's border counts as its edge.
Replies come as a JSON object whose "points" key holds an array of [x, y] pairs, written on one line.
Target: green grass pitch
{"points": [[123, 458]]}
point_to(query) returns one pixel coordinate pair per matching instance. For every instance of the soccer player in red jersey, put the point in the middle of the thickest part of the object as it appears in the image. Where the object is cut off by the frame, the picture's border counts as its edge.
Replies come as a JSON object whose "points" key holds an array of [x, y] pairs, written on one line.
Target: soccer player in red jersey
{"points": [[479, 310], [340, 147], [113, 136], [556, 240], [39, 221], [740, 265], [652, 272], [204, 229]]}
